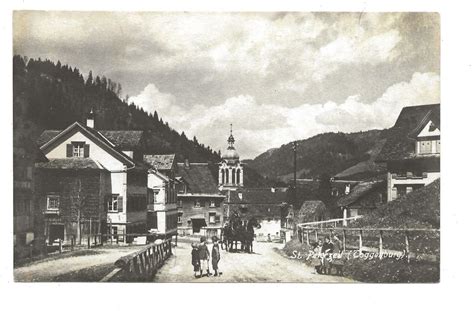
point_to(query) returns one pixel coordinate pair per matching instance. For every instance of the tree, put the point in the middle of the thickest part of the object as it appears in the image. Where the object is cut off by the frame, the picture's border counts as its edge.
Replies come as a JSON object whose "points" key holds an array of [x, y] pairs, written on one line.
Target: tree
{"points": [[90, 79]]}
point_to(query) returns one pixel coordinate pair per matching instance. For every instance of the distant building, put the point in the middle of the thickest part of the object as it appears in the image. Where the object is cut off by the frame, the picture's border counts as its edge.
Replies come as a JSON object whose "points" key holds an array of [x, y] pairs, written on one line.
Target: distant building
{"points": [[25, 218], [162, 216], [263, 204], [231, 172], [362, 199], [412, 151], [199, 205]]}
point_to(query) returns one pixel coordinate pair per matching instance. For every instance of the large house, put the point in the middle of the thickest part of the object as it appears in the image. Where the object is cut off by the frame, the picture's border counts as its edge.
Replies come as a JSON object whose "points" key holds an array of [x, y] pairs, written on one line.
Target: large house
{"points": [[412, 151], [200, 209], [96, 182]]}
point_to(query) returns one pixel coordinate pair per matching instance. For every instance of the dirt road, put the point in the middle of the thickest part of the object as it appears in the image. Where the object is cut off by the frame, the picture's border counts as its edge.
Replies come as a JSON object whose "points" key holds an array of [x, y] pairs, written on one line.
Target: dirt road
{"points": [[47, 270], [265, 265]]}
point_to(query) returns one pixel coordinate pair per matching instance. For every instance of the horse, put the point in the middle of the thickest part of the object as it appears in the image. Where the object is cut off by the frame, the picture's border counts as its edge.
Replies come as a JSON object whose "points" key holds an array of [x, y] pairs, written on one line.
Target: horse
{"points": [[240, 231]]}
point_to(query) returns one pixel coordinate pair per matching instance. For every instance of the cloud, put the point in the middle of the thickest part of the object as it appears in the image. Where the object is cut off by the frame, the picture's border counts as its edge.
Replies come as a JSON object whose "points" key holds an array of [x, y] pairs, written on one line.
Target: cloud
{"points": [[259, 127], [276, 76], [151, 99]]}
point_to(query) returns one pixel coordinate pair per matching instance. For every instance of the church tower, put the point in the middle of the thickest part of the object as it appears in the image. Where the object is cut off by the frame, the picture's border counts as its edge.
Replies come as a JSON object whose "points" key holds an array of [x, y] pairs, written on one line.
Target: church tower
{"points": [[231, 172]]}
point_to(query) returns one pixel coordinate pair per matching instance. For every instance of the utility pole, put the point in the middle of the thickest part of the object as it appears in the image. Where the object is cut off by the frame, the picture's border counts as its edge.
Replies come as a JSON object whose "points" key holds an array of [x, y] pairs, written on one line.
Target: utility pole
{"points": [[294, 174]]}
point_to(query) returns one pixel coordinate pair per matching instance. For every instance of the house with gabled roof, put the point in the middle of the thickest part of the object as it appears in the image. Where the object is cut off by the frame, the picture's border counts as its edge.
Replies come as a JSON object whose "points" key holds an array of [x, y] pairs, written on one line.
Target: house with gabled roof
{"points": [[200, 208], [115, 198], [412, 150]]}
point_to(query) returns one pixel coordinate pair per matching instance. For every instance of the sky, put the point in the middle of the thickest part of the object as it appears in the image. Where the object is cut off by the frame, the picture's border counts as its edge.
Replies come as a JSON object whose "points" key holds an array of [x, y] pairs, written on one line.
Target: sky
{"points": [[277, 77]]}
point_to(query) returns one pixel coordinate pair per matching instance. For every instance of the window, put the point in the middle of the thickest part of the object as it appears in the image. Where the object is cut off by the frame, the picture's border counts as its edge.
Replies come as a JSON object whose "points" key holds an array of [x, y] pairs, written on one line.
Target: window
{"points": [[78, 149], [53, 202], [212, 218], [113, 203], [212, 204], [425, 146], [156, 196], [197, 204], [438, 146], [179, 203], [180, 215]]}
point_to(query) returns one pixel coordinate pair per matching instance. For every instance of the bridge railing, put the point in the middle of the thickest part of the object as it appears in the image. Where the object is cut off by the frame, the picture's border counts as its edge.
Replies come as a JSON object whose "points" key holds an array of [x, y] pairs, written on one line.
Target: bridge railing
{"points": [[141, 265]]}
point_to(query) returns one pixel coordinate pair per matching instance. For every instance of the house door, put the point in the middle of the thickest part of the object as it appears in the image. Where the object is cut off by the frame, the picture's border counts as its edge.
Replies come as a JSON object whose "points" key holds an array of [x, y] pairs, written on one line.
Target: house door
{"points": [[198, 224], [56, 232]]}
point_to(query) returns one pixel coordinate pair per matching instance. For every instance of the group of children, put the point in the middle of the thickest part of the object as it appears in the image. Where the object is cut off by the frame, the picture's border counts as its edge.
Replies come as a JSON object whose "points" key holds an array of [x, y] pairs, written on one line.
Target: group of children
{"points": [[322, 264], [200, 257]]}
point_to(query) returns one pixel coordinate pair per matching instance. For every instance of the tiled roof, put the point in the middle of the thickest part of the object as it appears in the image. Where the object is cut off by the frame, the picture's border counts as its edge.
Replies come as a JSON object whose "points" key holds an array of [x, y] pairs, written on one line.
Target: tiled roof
{"points": [[359, 191], [51, 137], [400, 141], [124, 140], [160, 161], [198, 177], [70, 164], [257, 196]]}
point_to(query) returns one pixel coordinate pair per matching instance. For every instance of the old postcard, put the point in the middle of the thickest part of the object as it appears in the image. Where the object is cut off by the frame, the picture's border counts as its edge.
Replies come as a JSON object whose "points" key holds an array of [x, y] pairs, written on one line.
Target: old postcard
{"points": [[298, 147]]}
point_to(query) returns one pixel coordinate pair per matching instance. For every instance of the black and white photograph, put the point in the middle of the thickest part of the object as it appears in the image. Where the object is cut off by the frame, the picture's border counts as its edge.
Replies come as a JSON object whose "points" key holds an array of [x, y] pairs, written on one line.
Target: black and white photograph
{"points": [[246, 147]]}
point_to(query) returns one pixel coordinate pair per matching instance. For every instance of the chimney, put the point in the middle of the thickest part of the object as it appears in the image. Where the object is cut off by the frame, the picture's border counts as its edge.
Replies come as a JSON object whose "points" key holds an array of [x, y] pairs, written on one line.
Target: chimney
{"points": [[90, 119]]}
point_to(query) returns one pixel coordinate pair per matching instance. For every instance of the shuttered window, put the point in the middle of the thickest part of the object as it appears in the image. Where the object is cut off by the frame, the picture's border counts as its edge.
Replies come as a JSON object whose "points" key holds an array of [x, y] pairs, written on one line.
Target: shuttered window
{"points": [[113, 204], [77, 149]]}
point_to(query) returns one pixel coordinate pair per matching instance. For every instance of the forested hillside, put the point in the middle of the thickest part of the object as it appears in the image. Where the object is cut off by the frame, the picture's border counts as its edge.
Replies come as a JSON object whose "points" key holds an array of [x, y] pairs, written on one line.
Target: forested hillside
{"points": [[52, 96], [328, 153]]}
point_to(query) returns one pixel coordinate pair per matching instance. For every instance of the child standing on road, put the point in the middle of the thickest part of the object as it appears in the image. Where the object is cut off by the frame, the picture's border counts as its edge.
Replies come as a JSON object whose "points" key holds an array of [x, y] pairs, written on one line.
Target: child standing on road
{"points": [[216, 256], [203, 256], [195, 259]]}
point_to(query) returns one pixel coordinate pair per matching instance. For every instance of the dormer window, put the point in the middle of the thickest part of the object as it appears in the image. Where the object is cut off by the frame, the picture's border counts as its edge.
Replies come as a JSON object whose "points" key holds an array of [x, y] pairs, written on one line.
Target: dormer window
{"points": [[77, 149]]}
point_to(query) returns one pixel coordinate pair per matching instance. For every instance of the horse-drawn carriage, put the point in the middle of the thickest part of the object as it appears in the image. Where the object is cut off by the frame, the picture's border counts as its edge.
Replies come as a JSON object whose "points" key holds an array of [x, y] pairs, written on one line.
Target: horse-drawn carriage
{"points": [[239, 230]]}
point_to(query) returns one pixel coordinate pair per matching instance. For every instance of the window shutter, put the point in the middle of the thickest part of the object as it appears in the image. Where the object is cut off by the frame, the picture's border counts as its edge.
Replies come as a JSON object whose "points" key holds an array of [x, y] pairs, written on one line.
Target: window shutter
{"points": [[120, 204], [86, 150], [69, 150]]}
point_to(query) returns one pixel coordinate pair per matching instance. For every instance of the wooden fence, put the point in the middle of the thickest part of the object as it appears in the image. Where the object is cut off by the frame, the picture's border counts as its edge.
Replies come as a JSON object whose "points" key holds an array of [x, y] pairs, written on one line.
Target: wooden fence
{"points": [[308, 233], [141, 265]]}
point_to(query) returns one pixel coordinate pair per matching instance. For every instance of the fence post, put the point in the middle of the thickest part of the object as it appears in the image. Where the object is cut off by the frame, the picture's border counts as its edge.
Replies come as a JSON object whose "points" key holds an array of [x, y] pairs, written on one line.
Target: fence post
{"points": [[307, 237], [72, 243], [88, 241], [360, 242], [380, 244], [60, 246], [344, 240], [316, 234], [407, 246]]}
